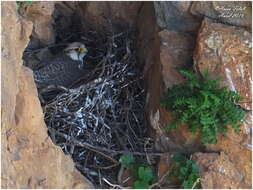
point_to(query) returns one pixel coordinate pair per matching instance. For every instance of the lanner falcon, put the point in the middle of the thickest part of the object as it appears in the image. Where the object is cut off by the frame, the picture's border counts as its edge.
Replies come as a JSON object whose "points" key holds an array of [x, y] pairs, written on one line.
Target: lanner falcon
{"points": [[64, 68]]}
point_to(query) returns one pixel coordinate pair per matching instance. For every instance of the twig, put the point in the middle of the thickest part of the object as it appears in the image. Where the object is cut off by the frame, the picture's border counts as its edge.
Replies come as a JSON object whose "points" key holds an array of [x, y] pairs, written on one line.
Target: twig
{"points": [[195, 183], [160, 180], [106, 167], [88, 146], [145, 149], [84, 144], [113, 185], [53, 87], [119, 176]]}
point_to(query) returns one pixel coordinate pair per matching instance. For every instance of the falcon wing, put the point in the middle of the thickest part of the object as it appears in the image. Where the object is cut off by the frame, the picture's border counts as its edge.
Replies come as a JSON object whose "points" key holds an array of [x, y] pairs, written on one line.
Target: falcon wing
{"points": [[61, 70]]}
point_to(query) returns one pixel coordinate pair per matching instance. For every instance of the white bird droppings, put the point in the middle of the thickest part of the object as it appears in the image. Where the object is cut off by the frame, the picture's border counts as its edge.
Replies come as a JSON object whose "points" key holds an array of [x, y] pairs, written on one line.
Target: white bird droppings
{"points": [[229, 78]]}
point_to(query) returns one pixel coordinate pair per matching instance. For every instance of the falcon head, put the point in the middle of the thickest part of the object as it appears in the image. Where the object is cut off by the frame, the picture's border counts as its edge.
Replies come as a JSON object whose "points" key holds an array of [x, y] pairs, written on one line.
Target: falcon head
{"points": [[76, 51]]}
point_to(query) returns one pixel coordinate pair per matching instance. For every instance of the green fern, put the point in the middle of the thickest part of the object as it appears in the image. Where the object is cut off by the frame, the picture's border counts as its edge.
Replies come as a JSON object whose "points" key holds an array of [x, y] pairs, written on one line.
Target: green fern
{"points": [[186, 171], [204, 106]]}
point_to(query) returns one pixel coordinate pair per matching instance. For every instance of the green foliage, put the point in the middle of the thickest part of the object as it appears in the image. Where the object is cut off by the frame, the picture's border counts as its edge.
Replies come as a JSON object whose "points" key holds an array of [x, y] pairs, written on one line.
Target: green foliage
{"points": [[127, 161], [144, 176], [186, 171], [141, 184], [24, 2], [145, 173], [204, 106]]}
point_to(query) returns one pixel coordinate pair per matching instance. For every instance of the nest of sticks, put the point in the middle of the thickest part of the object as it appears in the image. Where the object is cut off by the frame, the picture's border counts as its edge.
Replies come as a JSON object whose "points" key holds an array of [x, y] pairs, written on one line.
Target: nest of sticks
{"points": [[102, 116]]}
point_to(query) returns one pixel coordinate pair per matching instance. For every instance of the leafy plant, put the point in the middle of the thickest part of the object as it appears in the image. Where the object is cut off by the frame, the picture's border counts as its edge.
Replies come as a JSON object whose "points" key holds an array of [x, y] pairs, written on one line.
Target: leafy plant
{"points": [[186, 171], [144, 176], [24, 2], [204, 106], [127, 161]]}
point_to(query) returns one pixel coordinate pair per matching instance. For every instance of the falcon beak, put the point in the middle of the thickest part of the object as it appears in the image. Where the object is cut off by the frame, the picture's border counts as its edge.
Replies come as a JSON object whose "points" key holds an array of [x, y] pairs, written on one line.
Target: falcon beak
{"points": [[82, 50]]}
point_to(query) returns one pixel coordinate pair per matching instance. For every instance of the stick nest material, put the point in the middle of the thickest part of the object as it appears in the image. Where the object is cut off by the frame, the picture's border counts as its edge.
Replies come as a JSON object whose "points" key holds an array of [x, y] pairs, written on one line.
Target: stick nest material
{"points": [[104, 117]]}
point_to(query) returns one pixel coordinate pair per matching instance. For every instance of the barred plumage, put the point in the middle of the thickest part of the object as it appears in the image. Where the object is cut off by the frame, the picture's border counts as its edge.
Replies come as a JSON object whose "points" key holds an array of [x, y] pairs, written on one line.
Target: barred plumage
{"points": [[62, 69]]}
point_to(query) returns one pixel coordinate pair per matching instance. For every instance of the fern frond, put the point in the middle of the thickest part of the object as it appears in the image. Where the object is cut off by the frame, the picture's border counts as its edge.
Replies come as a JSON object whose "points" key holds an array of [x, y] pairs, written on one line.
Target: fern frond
{"points": [[204, 106]]}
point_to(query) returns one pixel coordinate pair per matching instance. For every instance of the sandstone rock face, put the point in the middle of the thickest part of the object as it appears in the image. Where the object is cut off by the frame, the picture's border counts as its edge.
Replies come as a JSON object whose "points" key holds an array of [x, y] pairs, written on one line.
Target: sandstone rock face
{"points": [[149, 56], [15, 35], [218, 172], [226, 52], [176, 45], [176, 50], [165, 164], [181, 139], [160, 52], [29, 158], [176, 16], [38, 163], [154, 53], [236, 13], [97, 13], [238, 149], [63, 13], [148, 47], [40, 14]]}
